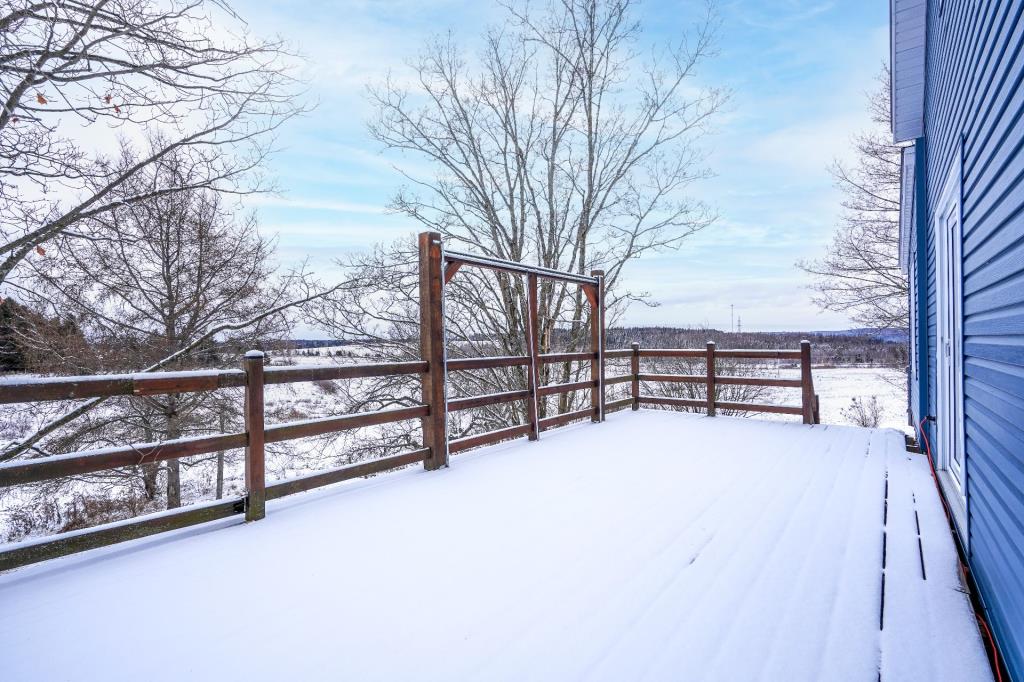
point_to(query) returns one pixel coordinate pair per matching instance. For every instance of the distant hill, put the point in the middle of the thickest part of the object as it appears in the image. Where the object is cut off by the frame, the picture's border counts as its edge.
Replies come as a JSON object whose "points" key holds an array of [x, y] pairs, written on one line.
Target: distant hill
{"points": [[889, 335], [845, 347]]}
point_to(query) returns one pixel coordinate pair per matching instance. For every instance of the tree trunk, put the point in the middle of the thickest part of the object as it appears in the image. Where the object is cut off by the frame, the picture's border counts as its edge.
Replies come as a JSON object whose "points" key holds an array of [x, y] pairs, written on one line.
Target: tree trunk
{"points": [[173, 465], [220, 462]]}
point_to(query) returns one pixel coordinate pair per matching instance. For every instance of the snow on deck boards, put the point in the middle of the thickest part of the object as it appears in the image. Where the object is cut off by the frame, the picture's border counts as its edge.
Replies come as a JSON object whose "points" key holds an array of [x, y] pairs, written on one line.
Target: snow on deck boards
{"points": [[654, 546]]}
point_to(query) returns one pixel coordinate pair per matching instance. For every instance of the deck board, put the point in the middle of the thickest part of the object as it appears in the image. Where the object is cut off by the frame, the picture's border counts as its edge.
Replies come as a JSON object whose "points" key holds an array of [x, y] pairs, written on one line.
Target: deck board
{"points": [[654, 546]]}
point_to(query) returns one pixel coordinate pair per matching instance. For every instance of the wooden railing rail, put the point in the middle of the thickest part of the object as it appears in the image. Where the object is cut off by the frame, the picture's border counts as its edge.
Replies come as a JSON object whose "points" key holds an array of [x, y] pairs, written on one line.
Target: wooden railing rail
{"points": [[164, 383], [488, 363], [808, 408]]}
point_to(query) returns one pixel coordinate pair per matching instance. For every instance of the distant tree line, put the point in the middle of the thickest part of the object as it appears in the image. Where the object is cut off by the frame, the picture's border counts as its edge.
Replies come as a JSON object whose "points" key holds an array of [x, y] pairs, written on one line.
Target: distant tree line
{"points": [[826, 349]]}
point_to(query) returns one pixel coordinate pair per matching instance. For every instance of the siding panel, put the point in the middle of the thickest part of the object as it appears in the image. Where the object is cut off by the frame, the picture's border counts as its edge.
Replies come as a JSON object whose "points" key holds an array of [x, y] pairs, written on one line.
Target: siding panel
{"points": [[975, 93]]}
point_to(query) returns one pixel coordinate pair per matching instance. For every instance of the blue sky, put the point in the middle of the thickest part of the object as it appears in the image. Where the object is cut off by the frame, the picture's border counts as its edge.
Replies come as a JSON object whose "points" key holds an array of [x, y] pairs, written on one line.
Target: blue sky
{"points": [[797, 69]]}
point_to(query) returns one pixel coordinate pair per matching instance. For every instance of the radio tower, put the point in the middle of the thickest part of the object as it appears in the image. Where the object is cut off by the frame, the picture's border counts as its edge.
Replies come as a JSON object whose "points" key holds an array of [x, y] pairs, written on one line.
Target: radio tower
{"points": [[739, 325]]}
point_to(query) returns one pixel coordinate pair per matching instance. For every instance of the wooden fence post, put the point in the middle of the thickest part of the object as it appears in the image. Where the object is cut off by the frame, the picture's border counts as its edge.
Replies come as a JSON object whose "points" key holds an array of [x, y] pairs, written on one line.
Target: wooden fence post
{"points": [[435, 424], [635, 370], [710, 383], [533, 348], [597, 344], [806, 382], [255, 462]]}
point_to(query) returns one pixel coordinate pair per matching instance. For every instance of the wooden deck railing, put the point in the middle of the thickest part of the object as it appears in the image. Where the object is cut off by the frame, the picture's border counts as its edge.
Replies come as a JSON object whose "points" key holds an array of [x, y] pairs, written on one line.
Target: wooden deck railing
{"points": [[252, 378], [436, 268], [808, 408]]}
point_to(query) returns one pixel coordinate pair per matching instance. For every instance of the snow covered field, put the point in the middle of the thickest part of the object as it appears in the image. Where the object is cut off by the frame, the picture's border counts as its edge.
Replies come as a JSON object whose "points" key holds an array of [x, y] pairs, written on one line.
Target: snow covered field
{"points": [[653, 546], [837, 386]]}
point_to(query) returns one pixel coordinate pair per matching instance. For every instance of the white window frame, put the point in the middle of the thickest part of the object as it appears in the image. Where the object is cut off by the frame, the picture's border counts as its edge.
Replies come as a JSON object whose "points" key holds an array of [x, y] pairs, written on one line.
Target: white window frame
{"points": [[949, 268]]}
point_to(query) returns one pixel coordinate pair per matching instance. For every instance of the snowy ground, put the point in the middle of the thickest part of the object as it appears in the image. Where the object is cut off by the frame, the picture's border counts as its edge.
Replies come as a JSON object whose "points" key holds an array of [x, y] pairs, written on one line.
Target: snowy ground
{"points": [[837, 386], [653, 546]]}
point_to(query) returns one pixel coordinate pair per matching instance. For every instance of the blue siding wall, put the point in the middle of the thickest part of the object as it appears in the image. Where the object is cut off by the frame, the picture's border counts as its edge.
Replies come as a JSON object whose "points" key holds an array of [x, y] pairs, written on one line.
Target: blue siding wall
{"points": [[974, 107]]}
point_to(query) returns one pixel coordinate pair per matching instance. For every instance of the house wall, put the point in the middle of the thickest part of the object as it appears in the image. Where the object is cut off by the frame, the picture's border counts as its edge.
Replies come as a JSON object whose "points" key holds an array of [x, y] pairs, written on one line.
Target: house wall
{"points": [[973, 110]]}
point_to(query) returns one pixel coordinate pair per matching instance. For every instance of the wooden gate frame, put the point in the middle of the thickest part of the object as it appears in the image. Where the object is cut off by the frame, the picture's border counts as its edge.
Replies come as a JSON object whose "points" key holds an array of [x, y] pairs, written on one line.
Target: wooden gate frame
{"points": [[437, 268]]}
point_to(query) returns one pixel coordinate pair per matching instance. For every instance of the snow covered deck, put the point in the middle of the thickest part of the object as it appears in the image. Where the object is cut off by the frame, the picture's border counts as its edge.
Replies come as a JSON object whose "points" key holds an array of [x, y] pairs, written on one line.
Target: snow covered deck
{"points": [[653, 546]]}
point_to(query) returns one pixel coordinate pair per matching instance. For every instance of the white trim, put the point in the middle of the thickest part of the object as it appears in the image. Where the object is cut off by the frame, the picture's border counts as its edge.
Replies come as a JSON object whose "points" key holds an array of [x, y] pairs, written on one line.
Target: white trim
{"points": [[949, 391], [957, 505]]}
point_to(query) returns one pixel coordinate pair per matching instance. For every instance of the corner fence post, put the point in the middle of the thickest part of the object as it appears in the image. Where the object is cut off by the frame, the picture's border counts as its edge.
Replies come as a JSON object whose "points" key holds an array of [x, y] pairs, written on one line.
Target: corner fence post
{"points": [[710, 383], [635, 371], [533, 348], [597, 345], [435, 424], [255, 463], [806, 382]]}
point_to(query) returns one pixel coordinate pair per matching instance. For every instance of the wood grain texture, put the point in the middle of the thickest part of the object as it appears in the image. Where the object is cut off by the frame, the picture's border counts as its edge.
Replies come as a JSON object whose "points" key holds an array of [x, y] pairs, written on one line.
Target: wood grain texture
{"points": [[533, 348], [597, 344], [90, 461], [457, 404], [709, 385], [488, 438], [463, 364], [319, 427], [435, 423], [358, 470], [255, 456], [26, 553]]}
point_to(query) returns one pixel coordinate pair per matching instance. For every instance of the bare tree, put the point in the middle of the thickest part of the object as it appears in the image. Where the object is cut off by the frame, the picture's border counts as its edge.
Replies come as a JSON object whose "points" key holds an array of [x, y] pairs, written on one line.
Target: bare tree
{"points": [[148, 280], [557, 145], [860, 273], [80, 79], [179, 281]]}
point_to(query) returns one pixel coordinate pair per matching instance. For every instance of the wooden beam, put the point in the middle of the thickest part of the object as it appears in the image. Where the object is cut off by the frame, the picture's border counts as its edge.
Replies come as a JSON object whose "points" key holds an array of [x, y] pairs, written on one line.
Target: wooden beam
{"points": [[555, 389], [450, 269], [358, 470], [288, 375], [500, 265], [759, 381], [487, 438], [457, 404], [548, 358], [435, 424], [255, 460], [19, 390], [753, 407], [488, 363], [675, 378], [78, 463], [672, 353], [618, 379], [533, 348], [709, 385], [734, 381], [319, 427], [616, 405], [590, 291], [30, 552], [807, 383], [565, 418], [634, 366], [672, 402], [597, 343], [760, 354]]}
